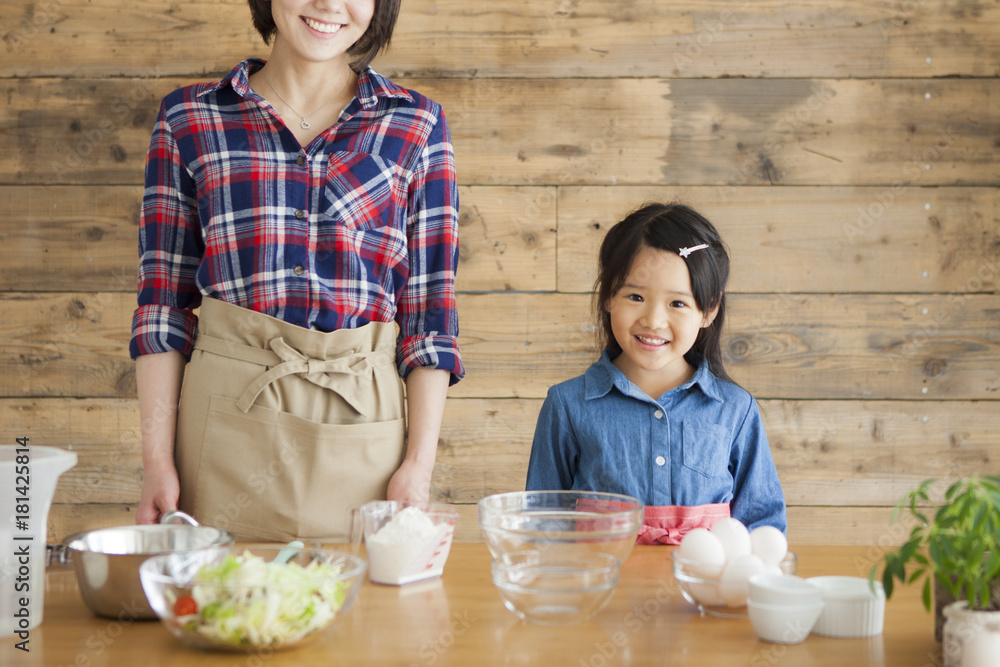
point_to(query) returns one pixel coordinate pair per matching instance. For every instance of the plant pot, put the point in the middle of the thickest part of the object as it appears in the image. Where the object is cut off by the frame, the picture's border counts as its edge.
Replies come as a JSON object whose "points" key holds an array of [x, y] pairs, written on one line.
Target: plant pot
{"points": [[943, 598], [969, 631]]}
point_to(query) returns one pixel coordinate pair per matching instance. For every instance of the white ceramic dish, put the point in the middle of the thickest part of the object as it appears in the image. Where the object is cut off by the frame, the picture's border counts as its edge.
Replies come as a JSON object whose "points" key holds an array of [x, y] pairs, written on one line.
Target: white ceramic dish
{"points": [[851, 608], [786, 590], [784, 624]]}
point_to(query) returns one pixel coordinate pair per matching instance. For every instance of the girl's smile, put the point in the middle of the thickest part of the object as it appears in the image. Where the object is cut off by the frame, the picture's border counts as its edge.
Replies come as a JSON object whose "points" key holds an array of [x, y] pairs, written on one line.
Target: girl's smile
{"points": [[656, 321]]}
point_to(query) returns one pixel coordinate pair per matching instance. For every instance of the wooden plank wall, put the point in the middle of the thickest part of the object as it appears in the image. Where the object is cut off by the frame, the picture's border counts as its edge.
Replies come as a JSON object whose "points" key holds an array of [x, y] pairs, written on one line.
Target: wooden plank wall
{"points": [[847, 151]]}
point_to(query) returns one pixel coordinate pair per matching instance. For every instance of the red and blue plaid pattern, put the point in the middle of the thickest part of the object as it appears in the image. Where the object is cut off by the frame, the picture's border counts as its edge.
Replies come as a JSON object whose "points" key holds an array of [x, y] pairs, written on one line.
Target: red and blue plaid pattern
{"points": [[360, 226]]}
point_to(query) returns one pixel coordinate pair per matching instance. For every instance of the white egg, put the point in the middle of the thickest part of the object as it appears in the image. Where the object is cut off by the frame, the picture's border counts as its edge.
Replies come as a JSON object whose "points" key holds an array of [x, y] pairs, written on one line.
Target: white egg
{"points": [[706, 594], [704, 551], [733, 585], [734, 536], [773, 569], [768, 543]]}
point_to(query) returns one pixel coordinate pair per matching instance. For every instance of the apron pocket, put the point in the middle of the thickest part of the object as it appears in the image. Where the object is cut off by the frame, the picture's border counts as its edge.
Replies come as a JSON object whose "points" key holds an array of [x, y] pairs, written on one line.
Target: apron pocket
{"points": [[271, 475]]}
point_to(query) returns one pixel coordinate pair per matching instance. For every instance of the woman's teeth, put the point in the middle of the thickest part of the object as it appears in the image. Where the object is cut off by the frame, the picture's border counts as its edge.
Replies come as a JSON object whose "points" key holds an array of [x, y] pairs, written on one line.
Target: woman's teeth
{"points": [[322, 27]]}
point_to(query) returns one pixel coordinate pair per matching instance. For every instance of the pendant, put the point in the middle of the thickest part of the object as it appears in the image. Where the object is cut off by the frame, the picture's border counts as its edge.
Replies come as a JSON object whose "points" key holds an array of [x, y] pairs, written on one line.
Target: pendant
{"points": [[304, 124]]}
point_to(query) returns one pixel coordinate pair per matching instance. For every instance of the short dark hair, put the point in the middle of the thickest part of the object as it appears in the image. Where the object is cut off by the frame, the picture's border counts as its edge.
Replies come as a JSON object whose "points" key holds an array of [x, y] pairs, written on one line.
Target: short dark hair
{"points": [[668, 227], [375, 39]]}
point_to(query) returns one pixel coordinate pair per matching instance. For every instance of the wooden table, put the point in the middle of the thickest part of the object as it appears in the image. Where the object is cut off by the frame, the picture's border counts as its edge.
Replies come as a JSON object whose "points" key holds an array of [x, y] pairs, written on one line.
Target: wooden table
{"points": [[460, 620]]}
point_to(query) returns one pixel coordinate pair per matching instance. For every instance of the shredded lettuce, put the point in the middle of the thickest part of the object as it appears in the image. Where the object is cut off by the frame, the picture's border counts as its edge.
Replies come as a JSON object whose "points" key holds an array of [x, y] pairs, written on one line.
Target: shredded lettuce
{"points": [[247, 601]]}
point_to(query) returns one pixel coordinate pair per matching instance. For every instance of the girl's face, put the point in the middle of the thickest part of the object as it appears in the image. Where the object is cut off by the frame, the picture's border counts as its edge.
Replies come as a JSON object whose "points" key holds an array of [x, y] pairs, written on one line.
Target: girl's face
{"points": [[320, 30], [656, 321]]}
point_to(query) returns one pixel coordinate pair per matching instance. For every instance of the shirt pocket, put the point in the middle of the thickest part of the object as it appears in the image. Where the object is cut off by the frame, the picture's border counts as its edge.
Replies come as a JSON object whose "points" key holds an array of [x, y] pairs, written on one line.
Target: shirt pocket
{"points": [[706, 449], [365, 192]]}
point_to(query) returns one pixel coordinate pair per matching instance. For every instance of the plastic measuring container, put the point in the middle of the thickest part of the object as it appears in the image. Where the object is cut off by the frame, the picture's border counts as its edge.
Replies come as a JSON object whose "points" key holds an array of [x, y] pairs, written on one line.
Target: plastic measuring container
{"points": [[28, 477]]}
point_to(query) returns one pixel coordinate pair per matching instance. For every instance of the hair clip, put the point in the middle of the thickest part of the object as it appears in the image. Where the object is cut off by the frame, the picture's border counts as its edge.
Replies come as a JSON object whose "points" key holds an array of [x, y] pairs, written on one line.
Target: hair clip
{"points": [[684, 252]]}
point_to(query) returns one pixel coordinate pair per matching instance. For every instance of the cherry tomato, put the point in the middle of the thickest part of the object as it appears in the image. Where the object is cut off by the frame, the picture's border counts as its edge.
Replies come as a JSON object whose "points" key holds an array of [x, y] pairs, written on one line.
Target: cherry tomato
{"points": [[185, 605]]}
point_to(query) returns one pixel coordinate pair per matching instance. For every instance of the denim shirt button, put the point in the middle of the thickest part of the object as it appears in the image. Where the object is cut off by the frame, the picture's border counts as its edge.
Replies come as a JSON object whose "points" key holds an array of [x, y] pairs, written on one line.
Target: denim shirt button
{"points": [[660, 460], [659, 415]]}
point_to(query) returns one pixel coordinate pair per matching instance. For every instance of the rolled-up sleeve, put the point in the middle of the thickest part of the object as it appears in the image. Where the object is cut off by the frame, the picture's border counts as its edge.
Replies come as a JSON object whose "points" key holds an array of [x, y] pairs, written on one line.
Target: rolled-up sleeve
{"points": [[426, 310], [170, 249]]}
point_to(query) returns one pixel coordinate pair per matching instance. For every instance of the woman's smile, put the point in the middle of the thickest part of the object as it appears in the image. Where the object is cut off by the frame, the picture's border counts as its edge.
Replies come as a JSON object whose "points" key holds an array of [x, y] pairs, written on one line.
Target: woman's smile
{"points": [[320, 26]]}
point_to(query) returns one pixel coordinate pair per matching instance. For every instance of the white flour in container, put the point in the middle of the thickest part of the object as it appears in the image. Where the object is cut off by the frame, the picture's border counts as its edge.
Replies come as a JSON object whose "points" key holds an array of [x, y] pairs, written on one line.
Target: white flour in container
{"points": [[392, 550]]}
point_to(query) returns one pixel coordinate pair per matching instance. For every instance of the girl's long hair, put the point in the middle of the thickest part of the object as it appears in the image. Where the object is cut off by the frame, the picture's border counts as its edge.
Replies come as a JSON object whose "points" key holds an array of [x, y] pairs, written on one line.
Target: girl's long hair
{"points": [[668, 227]]}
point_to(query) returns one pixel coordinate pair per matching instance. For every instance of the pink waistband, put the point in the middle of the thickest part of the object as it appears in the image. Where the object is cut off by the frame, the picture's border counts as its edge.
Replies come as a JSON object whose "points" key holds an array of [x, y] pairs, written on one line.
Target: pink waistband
{"points": [[667, 524]]}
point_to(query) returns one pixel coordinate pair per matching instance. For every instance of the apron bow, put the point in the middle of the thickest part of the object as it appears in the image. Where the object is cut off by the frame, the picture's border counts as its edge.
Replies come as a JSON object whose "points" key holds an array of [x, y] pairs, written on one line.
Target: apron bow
{"points": [[317, 371]]}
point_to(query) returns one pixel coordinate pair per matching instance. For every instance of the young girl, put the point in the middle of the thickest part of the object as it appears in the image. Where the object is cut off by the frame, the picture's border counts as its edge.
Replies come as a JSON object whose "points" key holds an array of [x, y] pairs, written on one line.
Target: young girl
{"points": [[308, 207], [657, 417]]}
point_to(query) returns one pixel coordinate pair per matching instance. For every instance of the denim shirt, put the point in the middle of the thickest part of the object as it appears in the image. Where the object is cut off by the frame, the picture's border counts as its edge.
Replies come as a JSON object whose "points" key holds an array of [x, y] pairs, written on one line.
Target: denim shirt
{"points": [[700, 443]]}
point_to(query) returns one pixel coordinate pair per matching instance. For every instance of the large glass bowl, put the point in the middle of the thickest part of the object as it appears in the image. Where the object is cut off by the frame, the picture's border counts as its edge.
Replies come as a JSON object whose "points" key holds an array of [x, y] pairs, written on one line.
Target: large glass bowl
{"points": [[242, 598], [555, 588], [561, 521], [700, 585]]}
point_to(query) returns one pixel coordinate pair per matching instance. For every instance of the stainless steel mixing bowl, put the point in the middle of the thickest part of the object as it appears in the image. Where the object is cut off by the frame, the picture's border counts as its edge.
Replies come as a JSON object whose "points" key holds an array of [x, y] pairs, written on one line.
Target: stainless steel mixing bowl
{"points": [[107, 561]]}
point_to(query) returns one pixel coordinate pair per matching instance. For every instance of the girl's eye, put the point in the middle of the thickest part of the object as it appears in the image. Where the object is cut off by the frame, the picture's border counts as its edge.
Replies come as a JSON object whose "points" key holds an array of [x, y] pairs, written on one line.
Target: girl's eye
{"points": [[634, 297], [678, 304]]}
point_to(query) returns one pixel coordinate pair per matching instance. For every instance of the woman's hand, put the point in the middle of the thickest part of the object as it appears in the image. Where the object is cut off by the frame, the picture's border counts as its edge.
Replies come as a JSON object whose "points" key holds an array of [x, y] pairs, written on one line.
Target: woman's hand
{"points": [[411, 483], [160, 489]]}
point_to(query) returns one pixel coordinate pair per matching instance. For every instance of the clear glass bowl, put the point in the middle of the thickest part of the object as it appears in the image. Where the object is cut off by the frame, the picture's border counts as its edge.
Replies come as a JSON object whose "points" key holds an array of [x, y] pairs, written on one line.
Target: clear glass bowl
{"points": [[553, 588], [700, 585], [260, 605], [568, 522]]}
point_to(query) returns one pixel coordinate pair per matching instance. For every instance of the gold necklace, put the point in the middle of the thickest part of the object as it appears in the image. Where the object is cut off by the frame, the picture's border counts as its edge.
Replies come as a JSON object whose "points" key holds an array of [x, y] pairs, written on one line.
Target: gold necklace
{"points": [[303, 124]]}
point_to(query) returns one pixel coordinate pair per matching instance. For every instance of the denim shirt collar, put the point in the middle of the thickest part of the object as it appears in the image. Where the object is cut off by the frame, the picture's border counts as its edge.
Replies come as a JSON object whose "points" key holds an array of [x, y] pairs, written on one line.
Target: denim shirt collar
{"points": [[371, 84], [603, 375]]}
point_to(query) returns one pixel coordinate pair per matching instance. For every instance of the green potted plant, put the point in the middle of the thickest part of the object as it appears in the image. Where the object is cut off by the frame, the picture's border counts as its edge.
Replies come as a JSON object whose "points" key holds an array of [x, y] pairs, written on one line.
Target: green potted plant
{"points": [[958, 548]]}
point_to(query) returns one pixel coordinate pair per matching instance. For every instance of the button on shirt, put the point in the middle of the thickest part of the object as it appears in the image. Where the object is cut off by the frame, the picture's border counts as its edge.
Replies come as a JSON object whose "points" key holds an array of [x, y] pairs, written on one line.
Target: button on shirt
{"points": [[700, 443], [359, 226]]}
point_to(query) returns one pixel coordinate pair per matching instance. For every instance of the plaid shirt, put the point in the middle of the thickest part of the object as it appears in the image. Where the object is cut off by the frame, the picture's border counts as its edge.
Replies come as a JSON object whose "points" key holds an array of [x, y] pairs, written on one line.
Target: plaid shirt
{"points": [[360, 226]]}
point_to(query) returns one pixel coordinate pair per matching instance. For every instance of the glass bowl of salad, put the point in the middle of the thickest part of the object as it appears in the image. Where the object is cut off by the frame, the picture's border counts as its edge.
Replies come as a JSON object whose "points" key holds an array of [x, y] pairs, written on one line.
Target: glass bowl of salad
{"points": [[251, 597]]}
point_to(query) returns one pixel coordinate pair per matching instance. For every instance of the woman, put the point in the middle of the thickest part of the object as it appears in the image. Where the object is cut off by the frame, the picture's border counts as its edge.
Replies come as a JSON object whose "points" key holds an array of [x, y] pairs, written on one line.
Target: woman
{"points": [[308, 205]]}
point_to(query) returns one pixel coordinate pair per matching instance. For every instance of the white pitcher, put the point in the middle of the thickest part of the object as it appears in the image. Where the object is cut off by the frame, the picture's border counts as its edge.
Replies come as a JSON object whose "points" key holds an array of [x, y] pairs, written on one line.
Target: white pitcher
{"points": [[28, 477]]}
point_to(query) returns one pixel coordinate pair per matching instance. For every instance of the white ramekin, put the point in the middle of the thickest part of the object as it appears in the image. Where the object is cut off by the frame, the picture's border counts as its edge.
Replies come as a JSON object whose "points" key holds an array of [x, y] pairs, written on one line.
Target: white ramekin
{"points": [[851, 608]]}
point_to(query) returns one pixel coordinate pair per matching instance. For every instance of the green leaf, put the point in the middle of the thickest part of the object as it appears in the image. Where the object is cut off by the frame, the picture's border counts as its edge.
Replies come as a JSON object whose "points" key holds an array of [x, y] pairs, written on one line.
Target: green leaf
{"points": [[927, 594], [887, 582]]}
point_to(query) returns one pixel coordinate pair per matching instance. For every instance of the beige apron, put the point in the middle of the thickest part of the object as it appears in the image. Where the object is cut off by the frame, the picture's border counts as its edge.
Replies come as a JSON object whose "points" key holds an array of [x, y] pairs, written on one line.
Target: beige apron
{"points": [[282, 429]]}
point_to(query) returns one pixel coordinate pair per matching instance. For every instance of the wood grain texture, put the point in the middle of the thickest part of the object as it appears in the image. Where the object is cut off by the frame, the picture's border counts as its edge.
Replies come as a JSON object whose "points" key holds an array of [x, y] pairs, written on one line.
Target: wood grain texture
{"points": [[609, 131], [811, 239], [795, 346], [846, 453], [85, 238], [841, 453], [861, 526], [777, 345], [517, 38]]}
